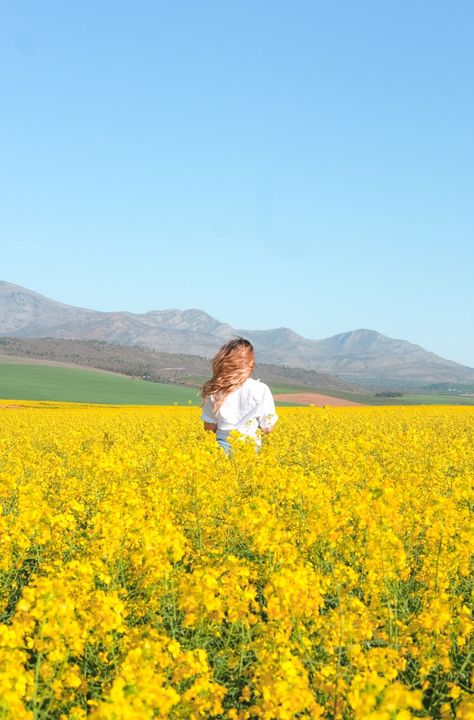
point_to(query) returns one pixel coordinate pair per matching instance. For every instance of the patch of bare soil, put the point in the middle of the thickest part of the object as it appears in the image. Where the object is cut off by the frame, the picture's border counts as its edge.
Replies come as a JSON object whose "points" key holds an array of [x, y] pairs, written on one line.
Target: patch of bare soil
{"points": [[316, 399]]}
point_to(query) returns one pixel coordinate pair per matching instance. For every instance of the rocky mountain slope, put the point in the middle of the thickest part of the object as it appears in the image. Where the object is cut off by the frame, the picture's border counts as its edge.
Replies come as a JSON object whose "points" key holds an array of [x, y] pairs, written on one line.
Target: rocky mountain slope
{"points": [[361, 356]]}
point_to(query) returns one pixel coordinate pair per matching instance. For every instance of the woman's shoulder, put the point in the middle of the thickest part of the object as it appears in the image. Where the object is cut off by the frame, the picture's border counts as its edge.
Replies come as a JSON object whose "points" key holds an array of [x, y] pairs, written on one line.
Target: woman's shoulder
{"points": [[257, 388]]}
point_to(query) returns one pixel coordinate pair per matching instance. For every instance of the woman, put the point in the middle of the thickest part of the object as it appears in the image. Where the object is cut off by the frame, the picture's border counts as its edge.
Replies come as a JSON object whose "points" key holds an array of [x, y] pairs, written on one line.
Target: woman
{"points": [[232, 400]]}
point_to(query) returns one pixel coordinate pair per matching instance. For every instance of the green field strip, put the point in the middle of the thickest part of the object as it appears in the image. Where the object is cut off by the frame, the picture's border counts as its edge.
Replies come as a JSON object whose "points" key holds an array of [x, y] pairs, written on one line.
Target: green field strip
{"points": [[371, 399], [419, 399], [44, 382]]}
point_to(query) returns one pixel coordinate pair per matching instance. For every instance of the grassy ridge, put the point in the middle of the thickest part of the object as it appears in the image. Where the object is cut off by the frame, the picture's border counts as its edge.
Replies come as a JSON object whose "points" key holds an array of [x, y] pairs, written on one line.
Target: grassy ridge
{"points": [[146, 364]]}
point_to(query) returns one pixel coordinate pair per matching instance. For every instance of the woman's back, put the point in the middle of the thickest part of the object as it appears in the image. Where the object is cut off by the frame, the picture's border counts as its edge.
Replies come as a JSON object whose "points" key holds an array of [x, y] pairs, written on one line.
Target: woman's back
{"points": [[232, 399], [245, 409]]}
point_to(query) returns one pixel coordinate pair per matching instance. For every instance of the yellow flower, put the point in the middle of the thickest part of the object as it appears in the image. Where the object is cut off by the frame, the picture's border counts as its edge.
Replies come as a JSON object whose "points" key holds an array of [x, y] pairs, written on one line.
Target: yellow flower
{"points": [[145, 575]]}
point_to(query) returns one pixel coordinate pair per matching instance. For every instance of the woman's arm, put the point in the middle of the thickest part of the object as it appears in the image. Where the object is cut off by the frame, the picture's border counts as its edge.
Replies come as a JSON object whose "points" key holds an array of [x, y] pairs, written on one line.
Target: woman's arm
{"points": [[267, 412], [208, 416]]}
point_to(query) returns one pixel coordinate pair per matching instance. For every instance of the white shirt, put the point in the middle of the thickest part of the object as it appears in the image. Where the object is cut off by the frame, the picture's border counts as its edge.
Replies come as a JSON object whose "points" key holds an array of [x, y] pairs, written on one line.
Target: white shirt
{"points": [[246, 409]]}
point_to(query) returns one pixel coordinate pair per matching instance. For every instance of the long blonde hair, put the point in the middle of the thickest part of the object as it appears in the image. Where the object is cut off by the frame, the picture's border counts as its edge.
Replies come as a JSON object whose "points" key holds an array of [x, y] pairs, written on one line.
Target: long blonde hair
{"points": [[232, 365]]}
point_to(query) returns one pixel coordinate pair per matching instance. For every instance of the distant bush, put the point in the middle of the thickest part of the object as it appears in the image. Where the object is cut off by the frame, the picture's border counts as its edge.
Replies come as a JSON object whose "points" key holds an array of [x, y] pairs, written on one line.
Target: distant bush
{"points": [[388, 394]]}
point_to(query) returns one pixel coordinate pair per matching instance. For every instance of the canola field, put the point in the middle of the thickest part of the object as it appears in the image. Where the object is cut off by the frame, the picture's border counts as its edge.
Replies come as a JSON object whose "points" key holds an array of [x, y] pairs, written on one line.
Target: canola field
{"points": [[143, 574]]}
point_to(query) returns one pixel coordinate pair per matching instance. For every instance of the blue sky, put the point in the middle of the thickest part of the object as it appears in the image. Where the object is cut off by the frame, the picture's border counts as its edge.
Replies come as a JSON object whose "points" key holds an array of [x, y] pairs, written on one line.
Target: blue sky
{"points": [[304, 164]]}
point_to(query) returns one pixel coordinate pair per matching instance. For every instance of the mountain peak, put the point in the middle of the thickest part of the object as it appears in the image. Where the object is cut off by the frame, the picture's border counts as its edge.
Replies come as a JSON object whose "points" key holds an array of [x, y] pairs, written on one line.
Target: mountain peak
{"points": [[360, 333]]}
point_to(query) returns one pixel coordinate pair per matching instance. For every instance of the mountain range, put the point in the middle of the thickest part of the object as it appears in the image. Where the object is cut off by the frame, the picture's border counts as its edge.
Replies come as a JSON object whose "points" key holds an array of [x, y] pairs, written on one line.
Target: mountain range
{"points": [[362, 356]]}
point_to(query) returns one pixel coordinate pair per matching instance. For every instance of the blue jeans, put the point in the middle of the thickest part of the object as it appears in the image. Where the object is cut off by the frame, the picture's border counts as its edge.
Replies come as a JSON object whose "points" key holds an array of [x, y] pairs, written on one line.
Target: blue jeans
{"points": [[225, 445]]}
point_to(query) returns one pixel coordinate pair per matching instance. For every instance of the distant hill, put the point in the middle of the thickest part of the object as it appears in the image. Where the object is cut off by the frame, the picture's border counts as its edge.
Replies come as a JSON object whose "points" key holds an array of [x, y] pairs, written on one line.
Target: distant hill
{"points": [[147, 364], [363, 356], [371, 358]]}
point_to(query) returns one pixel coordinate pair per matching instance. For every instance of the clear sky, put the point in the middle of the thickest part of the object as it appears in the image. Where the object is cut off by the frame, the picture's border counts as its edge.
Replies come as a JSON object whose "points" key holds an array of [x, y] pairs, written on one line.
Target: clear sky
{"points": [[301, 163]]}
